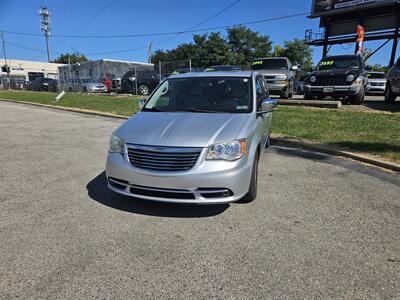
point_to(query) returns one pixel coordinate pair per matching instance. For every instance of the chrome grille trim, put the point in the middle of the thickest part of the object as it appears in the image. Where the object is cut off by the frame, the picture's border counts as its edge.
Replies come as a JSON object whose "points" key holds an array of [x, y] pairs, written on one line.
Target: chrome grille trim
{"points": [[162, 158]]}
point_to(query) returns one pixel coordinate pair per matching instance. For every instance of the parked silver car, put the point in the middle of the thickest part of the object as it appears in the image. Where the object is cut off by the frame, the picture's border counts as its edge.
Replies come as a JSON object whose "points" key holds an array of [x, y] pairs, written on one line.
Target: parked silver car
{"points": [[279, 74], [197, 139], [85, 85], [92, 86], [376, 83]]}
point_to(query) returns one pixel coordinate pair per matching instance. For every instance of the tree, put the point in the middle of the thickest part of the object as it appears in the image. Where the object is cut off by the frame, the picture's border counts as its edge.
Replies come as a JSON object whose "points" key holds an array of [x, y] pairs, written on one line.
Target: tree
{"points": [[239, 47], [246, 45], [298, 52], [70, 58]]}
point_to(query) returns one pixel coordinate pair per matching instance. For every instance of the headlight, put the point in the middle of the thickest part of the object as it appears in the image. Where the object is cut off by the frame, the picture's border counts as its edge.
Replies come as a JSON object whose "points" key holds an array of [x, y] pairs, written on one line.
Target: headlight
{"points": [[350, 78], [280, 77], [313, 78], [116, 144], [227, 151]]}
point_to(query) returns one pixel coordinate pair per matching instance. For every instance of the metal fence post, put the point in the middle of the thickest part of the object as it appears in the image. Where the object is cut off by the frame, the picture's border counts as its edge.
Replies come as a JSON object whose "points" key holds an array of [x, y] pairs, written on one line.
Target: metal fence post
{"points": [[190, 65]]}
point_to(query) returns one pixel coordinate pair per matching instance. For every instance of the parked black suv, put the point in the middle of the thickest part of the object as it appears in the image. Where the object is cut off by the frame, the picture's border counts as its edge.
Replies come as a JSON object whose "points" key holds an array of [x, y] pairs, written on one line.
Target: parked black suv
{"points": [[45, 84], [342, 76], [147, 81], [393, 83]]}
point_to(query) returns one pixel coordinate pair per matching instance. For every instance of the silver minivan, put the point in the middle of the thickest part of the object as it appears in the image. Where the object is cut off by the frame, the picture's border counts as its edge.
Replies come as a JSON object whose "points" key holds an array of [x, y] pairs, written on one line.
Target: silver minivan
{"points": [[197, 139]]}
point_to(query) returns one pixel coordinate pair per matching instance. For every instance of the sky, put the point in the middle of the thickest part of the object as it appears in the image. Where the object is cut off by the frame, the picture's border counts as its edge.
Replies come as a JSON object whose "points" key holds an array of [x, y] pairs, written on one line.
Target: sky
{"points": [[118, 17]]}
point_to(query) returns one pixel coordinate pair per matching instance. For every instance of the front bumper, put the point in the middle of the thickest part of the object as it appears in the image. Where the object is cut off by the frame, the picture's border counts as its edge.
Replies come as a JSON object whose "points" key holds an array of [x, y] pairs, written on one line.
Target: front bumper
{"points": [[97, 90], [338, 90], [208, 182], [372, 89], [277, 88]]}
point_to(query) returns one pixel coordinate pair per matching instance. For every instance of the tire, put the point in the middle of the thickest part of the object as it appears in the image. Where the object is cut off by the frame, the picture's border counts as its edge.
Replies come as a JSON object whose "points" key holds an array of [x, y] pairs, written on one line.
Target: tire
{"points": [[359, 98], [252, 193], [84, 90], [389, 96], [70, 89], [143, 90], [291, 94]]}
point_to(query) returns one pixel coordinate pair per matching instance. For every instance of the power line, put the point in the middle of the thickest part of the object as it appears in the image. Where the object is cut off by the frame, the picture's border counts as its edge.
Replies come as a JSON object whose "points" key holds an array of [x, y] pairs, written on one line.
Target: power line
{"points": [[181, 32], [163, 33], [202, 22]]}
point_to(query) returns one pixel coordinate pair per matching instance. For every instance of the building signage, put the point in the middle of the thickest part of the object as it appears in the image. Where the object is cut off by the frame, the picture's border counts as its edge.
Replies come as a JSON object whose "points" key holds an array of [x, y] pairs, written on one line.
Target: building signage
{"points": [[328, 7]]}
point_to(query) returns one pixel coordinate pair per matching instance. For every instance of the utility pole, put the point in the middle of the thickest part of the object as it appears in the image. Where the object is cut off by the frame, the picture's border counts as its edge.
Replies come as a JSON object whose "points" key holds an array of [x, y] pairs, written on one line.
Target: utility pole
{"points": [[45, 27], [5, 59]]}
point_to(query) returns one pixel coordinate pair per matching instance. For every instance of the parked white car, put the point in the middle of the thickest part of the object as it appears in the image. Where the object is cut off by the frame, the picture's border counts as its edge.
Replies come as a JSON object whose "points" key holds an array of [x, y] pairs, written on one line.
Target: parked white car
{"points": [[376, 83]]}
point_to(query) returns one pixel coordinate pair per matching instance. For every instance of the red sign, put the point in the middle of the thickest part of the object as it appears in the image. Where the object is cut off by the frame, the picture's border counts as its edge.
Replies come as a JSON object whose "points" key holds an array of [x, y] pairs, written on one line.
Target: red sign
{"points": [[360, 39]]}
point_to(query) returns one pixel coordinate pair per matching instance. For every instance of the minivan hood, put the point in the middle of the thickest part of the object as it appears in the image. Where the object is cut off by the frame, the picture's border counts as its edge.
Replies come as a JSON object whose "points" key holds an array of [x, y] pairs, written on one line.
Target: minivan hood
{"points": [[181, 129]]}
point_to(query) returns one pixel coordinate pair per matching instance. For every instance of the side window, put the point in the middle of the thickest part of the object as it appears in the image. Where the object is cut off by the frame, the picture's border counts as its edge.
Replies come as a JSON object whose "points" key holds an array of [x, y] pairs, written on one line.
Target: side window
{"points": [[266, 91], [260, 91]]}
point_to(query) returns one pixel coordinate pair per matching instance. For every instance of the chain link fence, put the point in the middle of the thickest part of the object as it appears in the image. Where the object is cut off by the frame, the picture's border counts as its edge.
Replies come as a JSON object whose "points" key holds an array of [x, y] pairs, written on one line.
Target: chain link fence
{"points": [[99, 76]]}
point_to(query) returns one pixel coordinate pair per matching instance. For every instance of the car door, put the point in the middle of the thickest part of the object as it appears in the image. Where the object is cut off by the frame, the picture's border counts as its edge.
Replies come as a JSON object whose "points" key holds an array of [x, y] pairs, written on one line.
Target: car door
{"points": [[263, 119]]}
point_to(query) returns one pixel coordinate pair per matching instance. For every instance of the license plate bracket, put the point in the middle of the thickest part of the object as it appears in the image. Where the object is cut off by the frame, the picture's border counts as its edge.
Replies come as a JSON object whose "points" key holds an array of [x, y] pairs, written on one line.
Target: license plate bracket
{"points": [[328, 90]]}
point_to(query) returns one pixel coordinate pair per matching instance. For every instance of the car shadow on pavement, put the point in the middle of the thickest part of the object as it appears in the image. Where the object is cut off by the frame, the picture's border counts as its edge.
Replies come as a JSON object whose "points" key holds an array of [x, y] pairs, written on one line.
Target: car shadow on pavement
{"points": [[382, 106], [296, 152], [98, 191]]}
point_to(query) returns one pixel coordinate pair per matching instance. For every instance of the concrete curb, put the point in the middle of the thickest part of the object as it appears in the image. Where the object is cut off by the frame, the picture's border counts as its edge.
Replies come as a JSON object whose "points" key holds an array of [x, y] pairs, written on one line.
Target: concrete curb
{"points": [[275, 139], [77, 110], [310, 103], [332, 151]]}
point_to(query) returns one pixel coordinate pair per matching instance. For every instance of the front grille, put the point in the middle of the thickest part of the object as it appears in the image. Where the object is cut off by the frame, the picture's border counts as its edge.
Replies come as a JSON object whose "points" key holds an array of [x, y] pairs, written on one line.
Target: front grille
{"points": [[269, 77], [163, 158], [377, 83], [331, 80]]}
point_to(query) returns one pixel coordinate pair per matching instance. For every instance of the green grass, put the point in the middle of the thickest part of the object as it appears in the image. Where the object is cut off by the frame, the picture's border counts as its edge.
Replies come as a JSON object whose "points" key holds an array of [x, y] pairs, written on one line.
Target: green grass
{"points": [[373, 133], [120, 105]]}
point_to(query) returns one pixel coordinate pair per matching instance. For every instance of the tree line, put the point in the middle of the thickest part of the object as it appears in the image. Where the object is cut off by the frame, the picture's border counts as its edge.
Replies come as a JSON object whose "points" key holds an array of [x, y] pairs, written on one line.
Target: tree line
{"points": [[238, 47]]}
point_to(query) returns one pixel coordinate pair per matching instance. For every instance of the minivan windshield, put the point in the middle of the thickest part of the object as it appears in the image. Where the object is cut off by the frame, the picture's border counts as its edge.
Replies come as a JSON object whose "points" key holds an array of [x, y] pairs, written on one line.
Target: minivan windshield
{"points": [[270, 63], [202, 94], [339, 62]]}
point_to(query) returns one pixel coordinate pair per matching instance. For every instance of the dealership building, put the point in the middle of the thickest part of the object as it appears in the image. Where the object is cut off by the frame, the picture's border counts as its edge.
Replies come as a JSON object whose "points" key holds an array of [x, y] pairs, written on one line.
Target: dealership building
{"points": [[27, 70]]}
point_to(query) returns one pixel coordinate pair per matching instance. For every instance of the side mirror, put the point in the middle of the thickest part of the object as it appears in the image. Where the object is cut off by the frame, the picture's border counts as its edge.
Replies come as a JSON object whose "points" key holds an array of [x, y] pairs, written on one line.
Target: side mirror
{"points": [[141, 103], [132, 78], [268, 105], [295, 68]]}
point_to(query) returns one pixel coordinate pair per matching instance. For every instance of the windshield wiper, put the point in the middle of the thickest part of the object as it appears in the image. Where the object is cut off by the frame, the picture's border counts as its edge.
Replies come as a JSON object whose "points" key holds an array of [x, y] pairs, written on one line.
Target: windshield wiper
{"points": [[191, 109]]}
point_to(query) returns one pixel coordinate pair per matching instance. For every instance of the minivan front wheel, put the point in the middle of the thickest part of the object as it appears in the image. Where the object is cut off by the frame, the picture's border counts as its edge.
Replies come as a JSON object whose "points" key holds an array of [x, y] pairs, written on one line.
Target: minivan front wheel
{"points": [[252, 193], [143, 90]]}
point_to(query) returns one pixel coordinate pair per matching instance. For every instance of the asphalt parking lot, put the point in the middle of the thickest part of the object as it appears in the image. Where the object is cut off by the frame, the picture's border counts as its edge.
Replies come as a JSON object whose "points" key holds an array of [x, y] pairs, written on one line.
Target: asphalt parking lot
{"points": [[322, 227]]}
